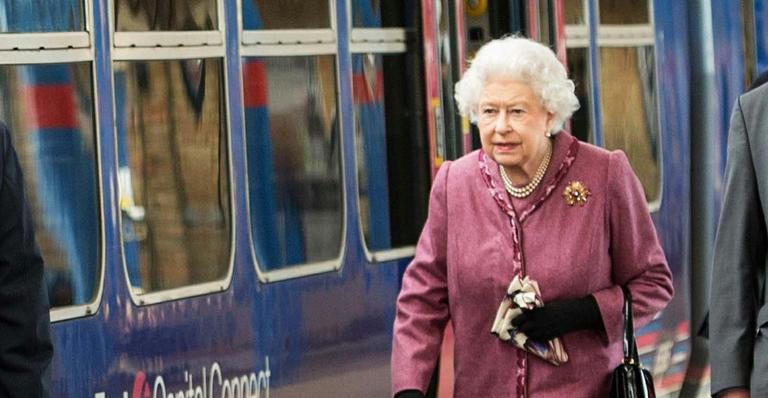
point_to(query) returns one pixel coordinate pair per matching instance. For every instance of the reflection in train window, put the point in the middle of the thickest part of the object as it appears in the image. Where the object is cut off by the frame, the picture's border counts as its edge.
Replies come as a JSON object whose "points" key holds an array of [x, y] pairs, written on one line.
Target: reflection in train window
{"points": [[622, 12], [628, 106], [165, 15], [49, 111], [20, 16], [294, 168], [286, 14], [578, 71], [393, 169], [574, 12], [173, 174], [380, 14], [577, 55]]}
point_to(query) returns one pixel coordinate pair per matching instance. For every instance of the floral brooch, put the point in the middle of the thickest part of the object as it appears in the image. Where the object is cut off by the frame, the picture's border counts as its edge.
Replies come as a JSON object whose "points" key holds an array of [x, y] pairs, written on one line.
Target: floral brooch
{"points": [[576, 193]]}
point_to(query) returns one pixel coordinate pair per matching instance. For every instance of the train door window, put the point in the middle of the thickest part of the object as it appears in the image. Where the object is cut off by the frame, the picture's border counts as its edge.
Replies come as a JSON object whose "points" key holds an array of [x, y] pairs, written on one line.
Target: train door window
{"points": [[390, 133], [46, 102], [292, 139], [628, 95], [577, 55], [18, 16], [173, 148]]}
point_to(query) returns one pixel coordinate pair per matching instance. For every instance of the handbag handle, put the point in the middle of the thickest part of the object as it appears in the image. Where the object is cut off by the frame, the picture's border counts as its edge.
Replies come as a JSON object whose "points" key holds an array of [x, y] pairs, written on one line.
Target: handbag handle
{"points": [[630, 346]]}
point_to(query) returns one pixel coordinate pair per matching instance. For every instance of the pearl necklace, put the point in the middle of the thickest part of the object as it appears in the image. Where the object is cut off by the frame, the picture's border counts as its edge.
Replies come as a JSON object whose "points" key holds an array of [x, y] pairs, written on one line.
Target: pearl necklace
{"points": [[526, 190]]}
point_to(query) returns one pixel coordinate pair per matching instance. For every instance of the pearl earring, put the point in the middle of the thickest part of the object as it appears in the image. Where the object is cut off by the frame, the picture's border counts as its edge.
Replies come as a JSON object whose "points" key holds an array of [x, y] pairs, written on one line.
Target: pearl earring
{"points": [[548, 134]]}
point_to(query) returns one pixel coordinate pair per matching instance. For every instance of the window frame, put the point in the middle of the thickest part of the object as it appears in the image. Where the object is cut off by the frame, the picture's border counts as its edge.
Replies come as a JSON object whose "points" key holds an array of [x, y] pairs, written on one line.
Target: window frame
{"points": [[133, 46], [304, 42]]}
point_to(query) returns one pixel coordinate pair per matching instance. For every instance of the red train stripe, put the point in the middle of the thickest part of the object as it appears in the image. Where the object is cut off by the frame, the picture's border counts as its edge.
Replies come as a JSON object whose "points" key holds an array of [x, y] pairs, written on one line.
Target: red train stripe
{"points": [[362, 91], [255, 83], [50, 106], [647, 339], [672, 380]]}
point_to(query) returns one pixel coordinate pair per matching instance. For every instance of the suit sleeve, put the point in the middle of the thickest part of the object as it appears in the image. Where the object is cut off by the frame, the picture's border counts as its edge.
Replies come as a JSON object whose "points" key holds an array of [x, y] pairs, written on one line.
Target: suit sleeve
{"points": [[739, 254], [637, 260], [422, 306], [25, 344]]}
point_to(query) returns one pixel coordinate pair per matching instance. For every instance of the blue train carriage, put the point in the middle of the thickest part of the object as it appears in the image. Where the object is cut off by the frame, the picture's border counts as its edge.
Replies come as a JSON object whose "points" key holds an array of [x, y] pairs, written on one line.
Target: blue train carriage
{"points": [[225, 192], [623, 57]]}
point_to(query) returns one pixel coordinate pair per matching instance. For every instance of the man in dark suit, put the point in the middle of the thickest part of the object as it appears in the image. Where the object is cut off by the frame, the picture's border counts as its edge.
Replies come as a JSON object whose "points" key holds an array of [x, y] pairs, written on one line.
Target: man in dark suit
{"points": [[25, 342], [738, 311]]}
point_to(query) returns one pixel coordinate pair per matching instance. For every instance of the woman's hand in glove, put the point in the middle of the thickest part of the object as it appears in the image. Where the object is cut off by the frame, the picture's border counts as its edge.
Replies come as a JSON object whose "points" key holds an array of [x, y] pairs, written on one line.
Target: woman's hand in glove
{"points": [[559, 317]]}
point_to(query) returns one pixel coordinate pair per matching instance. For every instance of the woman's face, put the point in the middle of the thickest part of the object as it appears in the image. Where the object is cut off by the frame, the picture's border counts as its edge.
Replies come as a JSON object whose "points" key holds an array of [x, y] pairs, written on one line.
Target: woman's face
{"points": [[513, 125]]}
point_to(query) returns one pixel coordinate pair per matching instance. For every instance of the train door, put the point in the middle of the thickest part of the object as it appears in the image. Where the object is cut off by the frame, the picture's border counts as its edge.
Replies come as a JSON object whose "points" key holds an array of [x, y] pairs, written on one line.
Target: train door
{"points": [[443, 63], [449, 138], [624, 74], [622, 57], [461, 28]]}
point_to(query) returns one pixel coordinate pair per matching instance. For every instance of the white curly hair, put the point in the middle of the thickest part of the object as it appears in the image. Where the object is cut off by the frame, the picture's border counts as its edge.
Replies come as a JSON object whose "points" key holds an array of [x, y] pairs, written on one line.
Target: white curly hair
{"points": [[520, 59]]}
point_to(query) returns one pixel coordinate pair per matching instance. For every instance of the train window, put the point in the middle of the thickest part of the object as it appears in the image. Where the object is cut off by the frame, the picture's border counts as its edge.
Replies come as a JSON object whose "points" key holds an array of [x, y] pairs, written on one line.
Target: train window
{"points": [[173, 173], [749, 42], [578, 70], [628, 96], [165, 15], [626, 81], [294, 167], [379, 14], [574, 12], [286, 14], [393, 175], [624, 12], [629, 116], [17, 16], [49, 111], [393, 170], [577, 55]]}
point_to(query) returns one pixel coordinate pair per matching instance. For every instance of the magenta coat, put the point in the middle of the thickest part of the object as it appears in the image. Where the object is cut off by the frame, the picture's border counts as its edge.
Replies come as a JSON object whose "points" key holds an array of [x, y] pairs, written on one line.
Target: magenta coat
{"points": [[475, 241]]}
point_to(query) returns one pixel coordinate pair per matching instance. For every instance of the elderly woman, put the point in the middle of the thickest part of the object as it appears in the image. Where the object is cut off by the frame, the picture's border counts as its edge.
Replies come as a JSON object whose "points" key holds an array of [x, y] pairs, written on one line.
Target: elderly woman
{"points": [[534, 202]]}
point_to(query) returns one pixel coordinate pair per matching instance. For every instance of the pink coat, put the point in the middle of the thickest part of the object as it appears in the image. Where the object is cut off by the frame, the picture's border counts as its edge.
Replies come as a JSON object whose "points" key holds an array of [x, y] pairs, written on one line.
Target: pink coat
{"points": [[471, 248]]}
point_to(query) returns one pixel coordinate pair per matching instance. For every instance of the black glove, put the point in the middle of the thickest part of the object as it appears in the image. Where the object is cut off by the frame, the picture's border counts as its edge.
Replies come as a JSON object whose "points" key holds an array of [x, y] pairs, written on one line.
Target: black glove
{"points": [[409, 394], [559, 317]]}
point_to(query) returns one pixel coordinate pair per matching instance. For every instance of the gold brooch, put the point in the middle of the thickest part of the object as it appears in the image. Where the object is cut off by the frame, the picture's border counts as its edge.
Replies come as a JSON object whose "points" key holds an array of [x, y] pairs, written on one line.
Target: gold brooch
{"points": [[576, 193]]}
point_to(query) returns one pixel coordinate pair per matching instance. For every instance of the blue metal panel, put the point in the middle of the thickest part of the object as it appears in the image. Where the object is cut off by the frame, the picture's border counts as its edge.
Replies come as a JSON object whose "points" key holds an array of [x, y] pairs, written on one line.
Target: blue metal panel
{"points": [[761, 34], [594, 73]]}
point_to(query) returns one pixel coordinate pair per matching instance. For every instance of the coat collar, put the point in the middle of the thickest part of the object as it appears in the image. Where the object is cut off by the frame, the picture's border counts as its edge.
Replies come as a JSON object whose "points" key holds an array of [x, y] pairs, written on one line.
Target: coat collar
{"points": [[564, 151]]}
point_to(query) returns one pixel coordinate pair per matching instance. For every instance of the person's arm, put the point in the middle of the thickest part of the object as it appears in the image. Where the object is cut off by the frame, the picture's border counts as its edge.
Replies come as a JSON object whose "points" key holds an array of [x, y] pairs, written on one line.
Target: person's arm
{"points": [[738, 255], [637, 260], [422, 306], [25, 343]]}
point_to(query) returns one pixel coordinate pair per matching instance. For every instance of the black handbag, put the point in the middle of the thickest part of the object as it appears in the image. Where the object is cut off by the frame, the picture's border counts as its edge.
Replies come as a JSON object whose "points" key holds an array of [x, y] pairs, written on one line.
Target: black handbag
{"points": [[630, 379]]}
